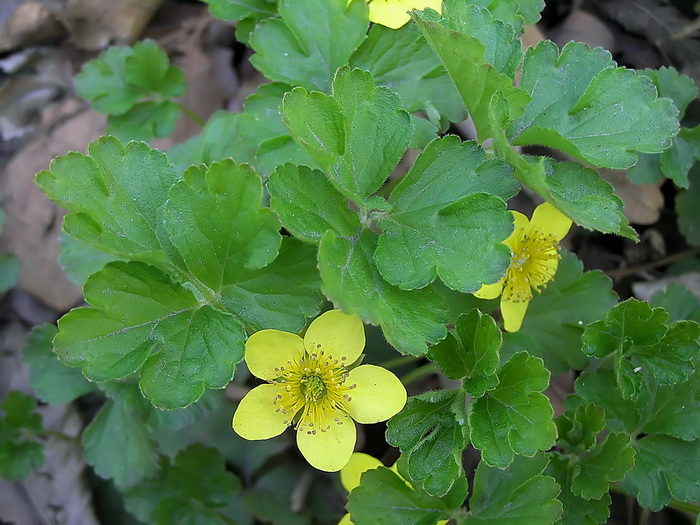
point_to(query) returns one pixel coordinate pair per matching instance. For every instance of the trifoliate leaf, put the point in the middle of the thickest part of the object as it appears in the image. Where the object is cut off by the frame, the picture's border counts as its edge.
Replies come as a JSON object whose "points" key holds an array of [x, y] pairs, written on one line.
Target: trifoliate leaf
{"points": [[471, 352], [103, 82], [556, 317], [515, 417], [141, 319], [113, 196], [148, 67], [144, 121], [409, 319], [402, 60], [357, 135], [380, 490], [20, 453], [448, 219], [194, 489], [282, 295], [643, 345], [118, 443], [688, 211], [584, 105], [234, 10], [466, 59], [431, 431], [679, 302], [309, 205], [53, 381], [317, 36], [519, 494]]}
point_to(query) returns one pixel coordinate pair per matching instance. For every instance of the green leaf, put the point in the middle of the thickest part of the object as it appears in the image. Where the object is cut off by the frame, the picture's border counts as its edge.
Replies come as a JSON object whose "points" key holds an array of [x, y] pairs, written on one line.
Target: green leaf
{"points": [[317, 36], [471, 352], [381, 490], [194, 489], [677, 160], [577, 511], [556, 317], [515, 417], [141, 319], [113, 205], [53, 381], [466, 59], [514, 12], [118, 443], [409, 319], [10, 266], [402, 60], [20, 453], [79, 259], [643, 345], [357, 135], [519, 494], [431, 430], [681, 89], [584, 105], [666, 467], [679, 302], [144, 121], [309, 205], [234, 10], [283, 295], [688, 211], [448, 219]]}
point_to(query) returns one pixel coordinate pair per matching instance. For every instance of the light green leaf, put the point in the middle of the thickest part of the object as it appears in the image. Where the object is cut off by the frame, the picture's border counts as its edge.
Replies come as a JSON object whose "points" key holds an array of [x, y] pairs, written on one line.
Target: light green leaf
{"points": [[471, 352], [466, 59], [310, 41], [381, 489], [677, 160], [681, 89], [519, 494], [118, 443], [402, 60], [515, 417], [556, 317], [283, 295], [53, 381], [431, 430], [113, 196], [357, 135], [144, 121], [309, 205], [140, 318], [234, 10], [20, 453], [448, 219], [514, 12], [409, 319], [79, 259], [643, 345], [599, 113], [103, 82]]}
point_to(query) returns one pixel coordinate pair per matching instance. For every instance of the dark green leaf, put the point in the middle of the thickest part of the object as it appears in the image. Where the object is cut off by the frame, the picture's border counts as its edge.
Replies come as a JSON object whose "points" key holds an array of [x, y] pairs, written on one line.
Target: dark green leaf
{"points": [[677, 160], [577, 511], [679, 302], [20, 453], [681, 89]]}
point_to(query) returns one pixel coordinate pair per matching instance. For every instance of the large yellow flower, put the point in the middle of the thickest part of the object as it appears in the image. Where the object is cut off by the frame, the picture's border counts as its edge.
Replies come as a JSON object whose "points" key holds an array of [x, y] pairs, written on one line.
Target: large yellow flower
{"points": [[535, 256], [311, 386], [394, 13]]}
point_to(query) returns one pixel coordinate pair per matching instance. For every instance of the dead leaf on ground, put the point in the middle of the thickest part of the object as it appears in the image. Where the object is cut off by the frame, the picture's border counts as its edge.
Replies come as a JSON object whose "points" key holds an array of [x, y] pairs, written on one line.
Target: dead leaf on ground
{"points": [[33, 222], [30, 24], [646, 290], [581, 26], [643, 203]]}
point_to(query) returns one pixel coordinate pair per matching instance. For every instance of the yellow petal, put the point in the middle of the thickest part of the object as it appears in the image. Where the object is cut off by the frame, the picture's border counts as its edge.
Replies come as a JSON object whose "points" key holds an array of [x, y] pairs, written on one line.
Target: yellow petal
{"points": [[550, 220], [345, 520], [394, 13], [330, 450], [337, 334], [520, 225], [378, 395], [513, 314], [270, 349], [256, 416], [490, 291], [359, 464]]}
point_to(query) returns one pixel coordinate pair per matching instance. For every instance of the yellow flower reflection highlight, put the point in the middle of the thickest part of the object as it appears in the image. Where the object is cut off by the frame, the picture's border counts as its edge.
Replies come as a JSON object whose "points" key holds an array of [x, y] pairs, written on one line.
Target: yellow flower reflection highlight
{"points": [[311, 386], [394, 13], [535, 256], [352, 472]]}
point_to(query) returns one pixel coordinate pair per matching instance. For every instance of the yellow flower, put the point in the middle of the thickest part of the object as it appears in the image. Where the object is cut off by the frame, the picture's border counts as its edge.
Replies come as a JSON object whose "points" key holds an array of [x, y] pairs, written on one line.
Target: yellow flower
{"points": [[311, 386], [535, 256], [350, 477], [394, 13]]}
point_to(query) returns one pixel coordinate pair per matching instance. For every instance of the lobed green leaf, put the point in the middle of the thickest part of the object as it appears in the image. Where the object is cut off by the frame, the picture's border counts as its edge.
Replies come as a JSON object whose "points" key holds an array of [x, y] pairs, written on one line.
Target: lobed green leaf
{"points": [[234, 10], [20, 453]]}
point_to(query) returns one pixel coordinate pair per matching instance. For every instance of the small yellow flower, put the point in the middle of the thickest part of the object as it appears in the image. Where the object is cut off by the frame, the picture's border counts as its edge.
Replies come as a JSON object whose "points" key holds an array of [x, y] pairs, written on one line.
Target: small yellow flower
{"points": [[394, 13], [311, 386], [535, 256], [352, 472]]}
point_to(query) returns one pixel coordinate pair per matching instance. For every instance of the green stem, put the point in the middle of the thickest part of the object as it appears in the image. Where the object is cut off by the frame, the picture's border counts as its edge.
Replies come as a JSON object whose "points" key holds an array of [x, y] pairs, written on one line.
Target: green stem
{"points": [[187, 111], [399, 361], [421, 371]]}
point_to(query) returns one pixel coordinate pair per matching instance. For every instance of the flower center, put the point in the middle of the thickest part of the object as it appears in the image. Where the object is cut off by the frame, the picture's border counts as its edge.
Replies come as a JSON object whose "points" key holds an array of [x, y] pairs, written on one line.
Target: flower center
{"points": [[532, 265], [315, 391]]}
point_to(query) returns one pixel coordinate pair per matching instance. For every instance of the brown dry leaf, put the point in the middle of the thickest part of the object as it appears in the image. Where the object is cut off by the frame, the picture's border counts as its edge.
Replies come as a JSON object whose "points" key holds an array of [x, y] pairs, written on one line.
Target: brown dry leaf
{"points": [[95, 24], [643, 202], [532, 35], [31, 23], [646, 290], [581, 26], [33, 222]]}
